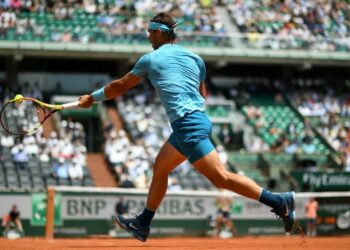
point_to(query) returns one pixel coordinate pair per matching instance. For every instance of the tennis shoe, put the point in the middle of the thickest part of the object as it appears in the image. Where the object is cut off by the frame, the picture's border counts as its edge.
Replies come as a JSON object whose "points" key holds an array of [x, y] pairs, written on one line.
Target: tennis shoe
{"points": [[133, 227], [287, 211]]}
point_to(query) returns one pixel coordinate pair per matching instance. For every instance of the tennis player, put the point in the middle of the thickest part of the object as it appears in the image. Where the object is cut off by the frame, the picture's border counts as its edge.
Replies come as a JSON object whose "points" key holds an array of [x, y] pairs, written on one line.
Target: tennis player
{"points": [[178, 76]]}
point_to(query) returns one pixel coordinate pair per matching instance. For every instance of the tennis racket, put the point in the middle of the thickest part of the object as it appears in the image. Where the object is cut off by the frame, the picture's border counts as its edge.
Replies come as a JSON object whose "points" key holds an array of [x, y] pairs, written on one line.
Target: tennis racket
{"points": [[24, 115]]}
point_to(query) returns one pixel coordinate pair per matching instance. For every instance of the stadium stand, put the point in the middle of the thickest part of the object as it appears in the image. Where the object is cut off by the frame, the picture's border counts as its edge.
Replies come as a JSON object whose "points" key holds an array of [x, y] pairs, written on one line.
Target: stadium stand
{"points": [[326, 107], [319, 25], [277, 84], [282, 138], [315, 25], [29, 162], [106, 21]]}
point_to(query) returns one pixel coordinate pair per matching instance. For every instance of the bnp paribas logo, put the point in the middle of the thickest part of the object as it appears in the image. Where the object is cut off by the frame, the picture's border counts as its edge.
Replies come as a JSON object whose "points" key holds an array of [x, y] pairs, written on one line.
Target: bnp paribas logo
{"points": [[39, 203]]}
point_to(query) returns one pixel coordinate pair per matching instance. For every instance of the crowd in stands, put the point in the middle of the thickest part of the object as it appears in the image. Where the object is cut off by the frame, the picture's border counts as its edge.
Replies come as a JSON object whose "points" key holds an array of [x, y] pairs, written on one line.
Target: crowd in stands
{"points": [[307, 24], [304, 24], [329, 107], [319, 97], [128, 161], [131, 154], [63, 153], [64, 157], [288, 139], [93, 21], [67, 153]]}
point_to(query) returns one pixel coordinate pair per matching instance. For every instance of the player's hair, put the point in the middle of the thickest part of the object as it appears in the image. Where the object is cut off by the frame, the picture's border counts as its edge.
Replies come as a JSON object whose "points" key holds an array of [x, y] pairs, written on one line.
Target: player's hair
{"points": [[165, 18]]}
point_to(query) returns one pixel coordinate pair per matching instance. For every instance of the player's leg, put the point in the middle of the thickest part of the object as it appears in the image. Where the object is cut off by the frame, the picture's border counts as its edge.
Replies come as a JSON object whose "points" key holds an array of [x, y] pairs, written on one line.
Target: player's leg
{"points": [[192, 133], [282, 204], [168, 158], [212, 168]]}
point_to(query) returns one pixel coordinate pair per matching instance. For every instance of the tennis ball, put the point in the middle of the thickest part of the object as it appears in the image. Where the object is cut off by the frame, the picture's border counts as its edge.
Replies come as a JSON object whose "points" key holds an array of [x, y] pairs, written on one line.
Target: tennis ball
{"points": [[18, 98]]}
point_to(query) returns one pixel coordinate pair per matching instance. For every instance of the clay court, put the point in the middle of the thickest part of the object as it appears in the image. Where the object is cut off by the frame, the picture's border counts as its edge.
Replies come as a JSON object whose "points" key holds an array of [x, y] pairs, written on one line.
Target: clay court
{"points": [[260, 243]]}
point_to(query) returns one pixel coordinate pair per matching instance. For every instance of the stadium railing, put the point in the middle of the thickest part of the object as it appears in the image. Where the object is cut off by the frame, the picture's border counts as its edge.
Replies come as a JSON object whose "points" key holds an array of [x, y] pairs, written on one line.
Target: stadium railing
{"points": [[212, 47]]}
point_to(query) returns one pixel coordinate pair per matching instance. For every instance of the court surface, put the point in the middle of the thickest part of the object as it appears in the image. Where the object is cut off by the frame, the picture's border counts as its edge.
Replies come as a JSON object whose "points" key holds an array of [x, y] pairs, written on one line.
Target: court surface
{"points": [[256, 243]]}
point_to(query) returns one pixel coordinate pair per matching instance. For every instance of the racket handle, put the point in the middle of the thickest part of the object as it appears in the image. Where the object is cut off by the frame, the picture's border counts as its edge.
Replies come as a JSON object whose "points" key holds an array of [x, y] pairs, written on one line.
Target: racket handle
{"points": [[70, 105]]}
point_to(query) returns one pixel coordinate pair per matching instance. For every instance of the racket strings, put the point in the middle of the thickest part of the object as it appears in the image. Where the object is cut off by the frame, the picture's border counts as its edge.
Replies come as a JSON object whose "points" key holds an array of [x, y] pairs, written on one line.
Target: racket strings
{"points": [[21, 117]]}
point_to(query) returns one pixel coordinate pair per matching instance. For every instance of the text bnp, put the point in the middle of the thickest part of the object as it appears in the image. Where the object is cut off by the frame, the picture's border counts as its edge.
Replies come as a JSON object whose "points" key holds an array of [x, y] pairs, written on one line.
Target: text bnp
{"points": [[85, 207]]}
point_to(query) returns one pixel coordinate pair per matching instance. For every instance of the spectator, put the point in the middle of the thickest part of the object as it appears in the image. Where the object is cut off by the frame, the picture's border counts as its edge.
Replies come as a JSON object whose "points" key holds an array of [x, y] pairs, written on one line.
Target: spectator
{"points": [[53, 145], [16, 4], [222, 154], [12, 219], [224, 204], [5, 4], [60, 169], [75, 170], [311, 208], [174, 184], [307, 146], [66, 148], [125, 182], [20, 156], [44, 154], [291, 147], [7, 140], [226, 134], [256, 145], [121, 207], [80, 152], [31, 146]]}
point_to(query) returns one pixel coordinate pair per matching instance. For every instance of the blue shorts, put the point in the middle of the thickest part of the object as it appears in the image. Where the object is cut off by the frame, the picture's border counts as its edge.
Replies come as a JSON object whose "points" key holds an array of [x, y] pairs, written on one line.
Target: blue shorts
{"points": [[191, 135], [312, 221]]}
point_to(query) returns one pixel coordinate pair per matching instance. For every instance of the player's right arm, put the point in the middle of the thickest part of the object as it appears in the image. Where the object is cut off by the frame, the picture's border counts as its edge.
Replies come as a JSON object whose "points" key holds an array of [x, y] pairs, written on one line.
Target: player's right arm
{"points": [[118, 87], [113, 89]]}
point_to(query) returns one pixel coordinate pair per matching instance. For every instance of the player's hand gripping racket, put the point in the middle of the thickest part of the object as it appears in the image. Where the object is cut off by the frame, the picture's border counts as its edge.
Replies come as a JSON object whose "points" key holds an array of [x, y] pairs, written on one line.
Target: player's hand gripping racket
{"points": [[23, 115]]}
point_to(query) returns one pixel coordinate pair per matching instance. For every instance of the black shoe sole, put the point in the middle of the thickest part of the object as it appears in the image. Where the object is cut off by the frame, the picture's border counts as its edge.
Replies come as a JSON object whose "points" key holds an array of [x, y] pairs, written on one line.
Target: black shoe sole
{"points": [[130, 232]]}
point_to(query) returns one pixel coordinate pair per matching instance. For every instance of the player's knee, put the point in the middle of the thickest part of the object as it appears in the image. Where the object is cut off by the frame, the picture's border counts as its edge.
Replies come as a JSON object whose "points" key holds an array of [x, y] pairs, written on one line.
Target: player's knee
{"points": [[159, 173]]}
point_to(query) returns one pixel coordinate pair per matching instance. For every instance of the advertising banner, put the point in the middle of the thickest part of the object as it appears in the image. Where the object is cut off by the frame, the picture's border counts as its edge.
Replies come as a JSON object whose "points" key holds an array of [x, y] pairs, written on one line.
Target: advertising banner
{"points": [[38, 217], [192, 213], [322, 181]]}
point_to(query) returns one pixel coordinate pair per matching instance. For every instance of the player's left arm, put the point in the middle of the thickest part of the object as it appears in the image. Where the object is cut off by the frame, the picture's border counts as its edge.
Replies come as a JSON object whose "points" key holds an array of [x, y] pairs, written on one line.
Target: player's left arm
{"points": [[202, 75], [202, 89]]}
